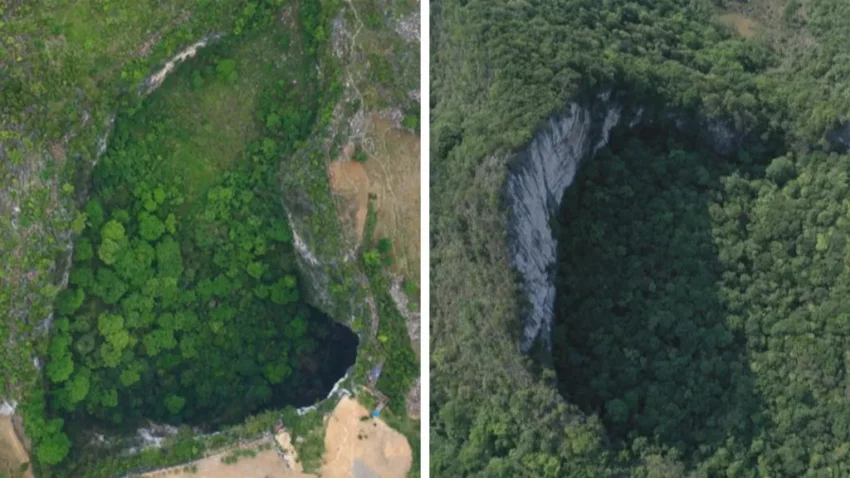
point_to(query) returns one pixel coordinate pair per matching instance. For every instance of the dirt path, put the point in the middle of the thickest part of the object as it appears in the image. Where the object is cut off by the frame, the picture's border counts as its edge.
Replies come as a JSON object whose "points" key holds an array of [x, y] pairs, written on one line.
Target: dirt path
{"points": [[266, 464], [12, 451], [356, 448]]}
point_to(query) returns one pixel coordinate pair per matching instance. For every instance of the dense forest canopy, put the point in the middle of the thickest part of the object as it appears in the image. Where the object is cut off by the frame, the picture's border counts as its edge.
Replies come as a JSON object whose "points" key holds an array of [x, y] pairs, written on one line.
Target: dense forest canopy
{"points": [[151, 268], [700, 324], [184, 302], [701, 303]]}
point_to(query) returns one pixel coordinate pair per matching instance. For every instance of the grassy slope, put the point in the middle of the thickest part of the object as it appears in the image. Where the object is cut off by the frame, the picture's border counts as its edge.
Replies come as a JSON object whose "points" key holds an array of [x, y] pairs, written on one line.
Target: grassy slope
{"points": [[64, 67]]}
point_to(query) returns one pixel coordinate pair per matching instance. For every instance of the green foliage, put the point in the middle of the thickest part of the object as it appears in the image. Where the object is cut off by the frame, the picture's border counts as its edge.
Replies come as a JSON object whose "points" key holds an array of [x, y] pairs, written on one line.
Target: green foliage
{"points": [[150, 227], [411, 121], [696, 293], [359, 155], [400, 368], [411, 288], [190, 310]]}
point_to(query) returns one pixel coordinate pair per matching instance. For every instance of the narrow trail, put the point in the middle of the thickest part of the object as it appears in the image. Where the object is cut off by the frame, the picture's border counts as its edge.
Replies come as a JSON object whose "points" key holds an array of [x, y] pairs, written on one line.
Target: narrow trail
{"points": [[353, 47]]}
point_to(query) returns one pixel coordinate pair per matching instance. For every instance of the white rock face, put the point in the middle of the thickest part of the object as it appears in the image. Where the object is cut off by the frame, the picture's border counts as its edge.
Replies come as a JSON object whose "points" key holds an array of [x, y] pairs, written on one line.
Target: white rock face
{"points": [[535, 189], [541, 174], [8, 408]]}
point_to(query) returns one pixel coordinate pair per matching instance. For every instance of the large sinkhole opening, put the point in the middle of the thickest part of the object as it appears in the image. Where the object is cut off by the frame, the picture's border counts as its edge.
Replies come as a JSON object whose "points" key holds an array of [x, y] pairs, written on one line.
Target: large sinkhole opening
{"points": [[652, 261], [185, 303]]}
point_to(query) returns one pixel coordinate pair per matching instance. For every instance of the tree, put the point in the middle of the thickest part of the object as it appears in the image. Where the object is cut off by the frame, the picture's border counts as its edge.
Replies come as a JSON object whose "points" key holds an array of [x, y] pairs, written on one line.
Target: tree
{"points": [[169, 260], [174, 404], [112, 241], [83, 250], [284, 291], [70, 300], [109, 286], [150, 227], [53, 448], [94, 212]]}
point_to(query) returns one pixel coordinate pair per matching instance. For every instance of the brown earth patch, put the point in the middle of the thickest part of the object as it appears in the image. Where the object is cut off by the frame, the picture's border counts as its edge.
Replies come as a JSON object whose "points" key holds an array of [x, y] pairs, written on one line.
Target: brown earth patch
{"points": [[391, 175], [393, 172], [349, 182], [356, 448], [13, 454], [266, 464], [745, 27]]}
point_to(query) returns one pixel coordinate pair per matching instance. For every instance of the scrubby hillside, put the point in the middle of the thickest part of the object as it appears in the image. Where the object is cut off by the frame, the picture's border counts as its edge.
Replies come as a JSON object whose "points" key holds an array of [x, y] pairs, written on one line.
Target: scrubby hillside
{"points": [[174, 250]]}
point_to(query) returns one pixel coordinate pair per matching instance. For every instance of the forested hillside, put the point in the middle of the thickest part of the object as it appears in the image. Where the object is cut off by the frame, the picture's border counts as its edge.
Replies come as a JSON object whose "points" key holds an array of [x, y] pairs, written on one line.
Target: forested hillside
{"points": [[700, 320], [159, 160]]}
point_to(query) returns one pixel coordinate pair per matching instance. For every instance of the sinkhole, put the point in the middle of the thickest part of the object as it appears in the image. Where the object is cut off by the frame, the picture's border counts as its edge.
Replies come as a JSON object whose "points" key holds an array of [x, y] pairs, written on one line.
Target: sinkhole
{"points": [[644, 333], [185, 302]]}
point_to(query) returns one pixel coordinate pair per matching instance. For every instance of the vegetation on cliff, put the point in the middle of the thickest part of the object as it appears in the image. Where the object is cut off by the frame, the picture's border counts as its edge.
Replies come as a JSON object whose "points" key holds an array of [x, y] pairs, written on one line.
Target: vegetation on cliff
{"points": [[700, 321], [183, 302]]}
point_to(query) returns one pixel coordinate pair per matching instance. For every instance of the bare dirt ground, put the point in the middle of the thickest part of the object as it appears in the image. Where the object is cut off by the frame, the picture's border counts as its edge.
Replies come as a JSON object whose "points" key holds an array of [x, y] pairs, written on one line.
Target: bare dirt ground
{"points": [[290, 455], [356, 448], [743, 25], [267, 464], [349, 181], [392, 174], [414, 400], [12, 451]]}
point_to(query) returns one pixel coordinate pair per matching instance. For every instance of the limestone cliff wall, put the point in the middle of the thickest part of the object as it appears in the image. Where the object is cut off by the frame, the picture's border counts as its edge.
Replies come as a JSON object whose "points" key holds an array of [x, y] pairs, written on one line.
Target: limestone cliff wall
{"points": [[535, 185], [542, 171]]}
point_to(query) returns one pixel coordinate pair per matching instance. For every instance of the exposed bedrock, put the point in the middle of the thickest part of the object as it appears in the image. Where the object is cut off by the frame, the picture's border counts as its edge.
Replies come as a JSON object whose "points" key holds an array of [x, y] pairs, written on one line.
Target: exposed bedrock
{"points": [[540, 173]]}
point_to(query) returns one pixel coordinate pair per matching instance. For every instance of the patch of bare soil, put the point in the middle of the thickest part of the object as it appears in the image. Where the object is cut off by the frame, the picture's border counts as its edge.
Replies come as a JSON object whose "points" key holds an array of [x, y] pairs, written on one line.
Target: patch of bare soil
{"points": [[414, 400], [743, 25], [266, 464], [348, 180], [357, 448], [391, 174], [393, 171], [290, 456], [12, 452]]}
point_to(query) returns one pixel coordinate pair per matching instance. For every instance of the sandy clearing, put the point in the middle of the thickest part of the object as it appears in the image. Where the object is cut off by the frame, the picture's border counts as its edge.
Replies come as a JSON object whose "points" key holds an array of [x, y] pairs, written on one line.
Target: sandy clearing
{"points": [[356, 448], [285, 441], [267, 464], [12, 451]]}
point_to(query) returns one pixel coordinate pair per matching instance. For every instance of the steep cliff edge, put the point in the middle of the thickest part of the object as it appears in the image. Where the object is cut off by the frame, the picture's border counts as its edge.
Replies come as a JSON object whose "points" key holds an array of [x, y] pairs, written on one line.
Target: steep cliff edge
{"points": [[535, 185], [541, 172]]}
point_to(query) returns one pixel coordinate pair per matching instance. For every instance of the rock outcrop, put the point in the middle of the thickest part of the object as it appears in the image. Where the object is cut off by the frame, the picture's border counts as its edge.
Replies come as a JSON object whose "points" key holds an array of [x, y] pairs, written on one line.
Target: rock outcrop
{"points": [[535, 185], [540, 173]]}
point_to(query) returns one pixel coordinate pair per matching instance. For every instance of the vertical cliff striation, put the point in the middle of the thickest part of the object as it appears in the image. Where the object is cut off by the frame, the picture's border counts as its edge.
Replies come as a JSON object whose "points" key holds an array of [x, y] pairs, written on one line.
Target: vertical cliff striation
{"points": [[541, 172], [536, 183]]}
